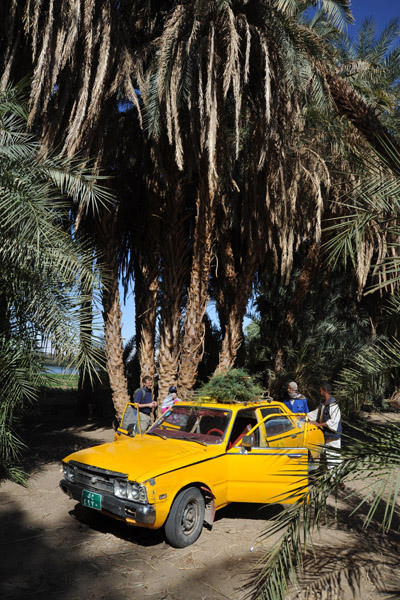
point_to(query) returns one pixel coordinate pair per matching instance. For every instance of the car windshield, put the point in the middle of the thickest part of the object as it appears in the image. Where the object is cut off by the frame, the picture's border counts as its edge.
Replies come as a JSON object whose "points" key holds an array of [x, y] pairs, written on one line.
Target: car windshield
{"points": [[194, 423]]}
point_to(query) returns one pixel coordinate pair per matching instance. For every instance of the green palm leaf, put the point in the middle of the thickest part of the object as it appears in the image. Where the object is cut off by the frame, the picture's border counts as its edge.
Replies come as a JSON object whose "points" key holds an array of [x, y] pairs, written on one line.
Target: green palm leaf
{"points": [[44, 265]]}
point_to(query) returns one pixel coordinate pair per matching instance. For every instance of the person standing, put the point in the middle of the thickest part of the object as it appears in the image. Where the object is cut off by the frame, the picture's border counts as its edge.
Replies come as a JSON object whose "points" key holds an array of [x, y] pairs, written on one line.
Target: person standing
{"points": [[328, 418], [296, 402], [143, 398], [170, 399]]}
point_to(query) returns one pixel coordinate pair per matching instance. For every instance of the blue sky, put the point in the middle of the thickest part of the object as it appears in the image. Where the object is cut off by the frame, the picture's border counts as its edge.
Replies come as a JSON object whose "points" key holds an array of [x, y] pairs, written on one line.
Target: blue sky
{"points": [[381, 11], [128, 315]]}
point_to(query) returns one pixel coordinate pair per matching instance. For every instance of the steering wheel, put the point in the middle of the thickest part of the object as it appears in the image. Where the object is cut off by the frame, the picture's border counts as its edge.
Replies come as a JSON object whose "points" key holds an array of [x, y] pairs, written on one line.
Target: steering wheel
{"points": [[215, 431]]}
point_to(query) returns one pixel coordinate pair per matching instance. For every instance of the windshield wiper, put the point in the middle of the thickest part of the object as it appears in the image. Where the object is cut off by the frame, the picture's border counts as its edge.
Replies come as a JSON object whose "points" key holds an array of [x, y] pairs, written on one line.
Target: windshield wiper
{"points": [[192, 439], [163, 437]]}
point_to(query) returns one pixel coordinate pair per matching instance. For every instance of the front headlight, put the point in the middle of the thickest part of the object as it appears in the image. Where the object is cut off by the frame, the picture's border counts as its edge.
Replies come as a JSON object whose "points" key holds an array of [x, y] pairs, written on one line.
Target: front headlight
{"points": [[69, 471], [130, 490]]}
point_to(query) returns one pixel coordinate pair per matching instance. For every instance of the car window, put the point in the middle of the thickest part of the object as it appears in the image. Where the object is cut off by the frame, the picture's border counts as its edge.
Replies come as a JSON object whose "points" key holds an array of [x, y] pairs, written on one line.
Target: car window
{"points": [[194, 423], [271, 410], [278, 425]]}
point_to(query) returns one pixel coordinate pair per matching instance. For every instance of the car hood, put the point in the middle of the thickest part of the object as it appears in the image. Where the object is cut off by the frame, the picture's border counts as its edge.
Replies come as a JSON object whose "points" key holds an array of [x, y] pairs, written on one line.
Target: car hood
{"points": [[145, 456]]}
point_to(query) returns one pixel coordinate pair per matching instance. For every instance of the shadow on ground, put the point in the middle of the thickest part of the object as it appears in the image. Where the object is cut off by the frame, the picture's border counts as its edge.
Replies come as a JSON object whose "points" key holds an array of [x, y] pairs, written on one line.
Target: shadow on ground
{"points": [[147, 537], [39, 562], [53, 427], [83, 554], [103, 524], [34, 564]]}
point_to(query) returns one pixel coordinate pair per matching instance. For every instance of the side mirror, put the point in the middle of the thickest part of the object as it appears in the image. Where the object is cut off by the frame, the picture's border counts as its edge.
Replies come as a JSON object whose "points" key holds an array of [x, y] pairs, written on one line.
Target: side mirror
{"points": [[247, 442]]}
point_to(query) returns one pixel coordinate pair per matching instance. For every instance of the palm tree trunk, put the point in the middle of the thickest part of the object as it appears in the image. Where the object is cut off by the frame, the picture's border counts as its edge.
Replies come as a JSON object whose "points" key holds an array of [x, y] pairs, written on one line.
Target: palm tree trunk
{"points": [[303, 284], [115, 363], [146, 290], [175, 266], [233, 335], [302, 288], [144, 253], [146, 346], [192, 347], [234, 284], [169, 352], [107, 234], [225, 276]]}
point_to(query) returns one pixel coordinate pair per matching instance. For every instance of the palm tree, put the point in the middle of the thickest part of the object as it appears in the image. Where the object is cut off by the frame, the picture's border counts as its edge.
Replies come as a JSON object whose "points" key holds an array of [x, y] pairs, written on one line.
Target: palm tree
{"points": [[366, 238], [43, 268], [366, 379], [81, 58], [213, 111], [370, 64], [362, 82], [206, 113]]}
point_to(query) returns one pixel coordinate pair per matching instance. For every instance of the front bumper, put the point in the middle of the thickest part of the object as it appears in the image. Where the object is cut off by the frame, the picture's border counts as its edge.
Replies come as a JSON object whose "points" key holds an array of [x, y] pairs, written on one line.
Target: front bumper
{"points": [[120, 508]]}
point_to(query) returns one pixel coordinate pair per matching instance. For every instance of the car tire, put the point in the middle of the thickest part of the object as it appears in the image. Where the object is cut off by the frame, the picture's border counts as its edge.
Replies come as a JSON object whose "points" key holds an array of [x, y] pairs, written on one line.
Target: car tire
{"points": [[185, 519], [312, 465]]}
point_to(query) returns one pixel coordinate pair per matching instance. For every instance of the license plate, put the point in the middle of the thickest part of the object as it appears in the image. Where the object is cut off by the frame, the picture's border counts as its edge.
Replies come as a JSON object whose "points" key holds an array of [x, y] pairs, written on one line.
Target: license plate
{"points": [[91, 499]]}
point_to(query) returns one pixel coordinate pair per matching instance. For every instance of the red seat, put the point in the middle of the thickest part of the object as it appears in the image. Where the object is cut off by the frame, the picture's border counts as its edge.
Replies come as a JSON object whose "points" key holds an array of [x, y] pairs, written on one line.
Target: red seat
{"points": [[244, 432]]}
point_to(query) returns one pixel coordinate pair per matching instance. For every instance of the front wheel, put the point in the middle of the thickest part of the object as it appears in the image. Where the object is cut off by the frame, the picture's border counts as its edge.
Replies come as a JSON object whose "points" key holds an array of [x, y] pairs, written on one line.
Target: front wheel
{"points": [[185, 520]]}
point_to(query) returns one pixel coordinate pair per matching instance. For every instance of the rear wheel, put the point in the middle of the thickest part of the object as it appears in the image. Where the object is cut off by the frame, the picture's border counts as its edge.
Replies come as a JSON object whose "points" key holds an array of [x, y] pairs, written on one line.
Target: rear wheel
{"points": [[186, 517]]}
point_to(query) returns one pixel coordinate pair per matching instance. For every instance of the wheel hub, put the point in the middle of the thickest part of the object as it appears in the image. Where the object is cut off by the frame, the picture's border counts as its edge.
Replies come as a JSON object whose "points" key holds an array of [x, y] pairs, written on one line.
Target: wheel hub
{"points": [[189, 518]]}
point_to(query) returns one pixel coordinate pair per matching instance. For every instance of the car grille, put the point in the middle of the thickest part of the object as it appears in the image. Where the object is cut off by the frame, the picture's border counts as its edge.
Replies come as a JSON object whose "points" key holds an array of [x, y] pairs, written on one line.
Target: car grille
{"points": [[93, 478]]}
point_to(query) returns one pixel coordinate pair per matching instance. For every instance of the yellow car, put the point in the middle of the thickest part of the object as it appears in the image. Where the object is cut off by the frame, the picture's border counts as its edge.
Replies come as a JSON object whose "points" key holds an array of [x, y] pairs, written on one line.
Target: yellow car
{"points": [[198, 457]]}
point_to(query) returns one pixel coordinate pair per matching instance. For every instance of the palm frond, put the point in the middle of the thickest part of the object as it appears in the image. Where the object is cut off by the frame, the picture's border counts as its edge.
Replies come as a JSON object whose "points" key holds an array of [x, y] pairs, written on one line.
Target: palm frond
{"points": [[43, 269], [373, 459], [365, 381]]}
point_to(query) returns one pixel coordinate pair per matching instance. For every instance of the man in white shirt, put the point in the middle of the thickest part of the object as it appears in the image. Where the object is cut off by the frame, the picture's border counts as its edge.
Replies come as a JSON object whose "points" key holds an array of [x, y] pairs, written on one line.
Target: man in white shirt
{"points": [[328, 418]]}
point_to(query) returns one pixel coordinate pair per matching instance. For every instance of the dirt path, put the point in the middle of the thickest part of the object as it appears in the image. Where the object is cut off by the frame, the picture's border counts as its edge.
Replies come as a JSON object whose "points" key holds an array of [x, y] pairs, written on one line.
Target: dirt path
{"points": [[51, 548]]}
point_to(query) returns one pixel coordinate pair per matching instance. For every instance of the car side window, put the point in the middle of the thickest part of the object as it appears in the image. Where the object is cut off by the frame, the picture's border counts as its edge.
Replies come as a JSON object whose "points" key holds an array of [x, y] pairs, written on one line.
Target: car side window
{"points": [[272, 410], [278, 425]]}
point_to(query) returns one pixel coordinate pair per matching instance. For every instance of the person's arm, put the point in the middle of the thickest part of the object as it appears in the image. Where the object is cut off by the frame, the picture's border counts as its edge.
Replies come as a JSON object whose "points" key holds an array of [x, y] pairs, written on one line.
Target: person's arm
{"points": [[139, 404], [312, 415], [334, 417], [152, 404], [305, 405], [137, 396]]}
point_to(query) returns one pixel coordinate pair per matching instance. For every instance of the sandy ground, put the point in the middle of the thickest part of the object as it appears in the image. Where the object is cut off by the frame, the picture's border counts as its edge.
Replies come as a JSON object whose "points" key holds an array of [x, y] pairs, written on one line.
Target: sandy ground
{"points": [[51, 547]]}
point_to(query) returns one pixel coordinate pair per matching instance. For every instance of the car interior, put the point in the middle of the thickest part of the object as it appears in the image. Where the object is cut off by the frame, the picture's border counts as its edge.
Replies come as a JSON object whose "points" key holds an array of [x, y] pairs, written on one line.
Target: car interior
{"points": [[245, 421]]}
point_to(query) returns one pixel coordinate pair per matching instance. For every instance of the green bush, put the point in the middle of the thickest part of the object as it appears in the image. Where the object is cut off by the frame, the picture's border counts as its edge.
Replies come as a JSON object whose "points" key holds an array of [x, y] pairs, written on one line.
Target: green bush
{"points": [[234, 385]]}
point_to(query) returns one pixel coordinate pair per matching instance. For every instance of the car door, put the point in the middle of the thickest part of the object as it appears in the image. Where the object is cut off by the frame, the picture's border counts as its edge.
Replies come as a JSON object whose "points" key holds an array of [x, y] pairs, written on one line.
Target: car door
{"points": [[268, 470], [284, 431], [130, 423]]}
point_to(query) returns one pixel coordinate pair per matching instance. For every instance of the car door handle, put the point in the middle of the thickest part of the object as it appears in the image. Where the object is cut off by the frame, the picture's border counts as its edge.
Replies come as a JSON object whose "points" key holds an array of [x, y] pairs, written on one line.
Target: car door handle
{"points": [[295, 455], [294, 435]]}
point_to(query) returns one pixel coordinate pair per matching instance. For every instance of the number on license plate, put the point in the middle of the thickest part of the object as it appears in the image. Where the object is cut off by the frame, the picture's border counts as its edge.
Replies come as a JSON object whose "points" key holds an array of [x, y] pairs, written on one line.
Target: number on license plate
{"points": [[91, 499]]}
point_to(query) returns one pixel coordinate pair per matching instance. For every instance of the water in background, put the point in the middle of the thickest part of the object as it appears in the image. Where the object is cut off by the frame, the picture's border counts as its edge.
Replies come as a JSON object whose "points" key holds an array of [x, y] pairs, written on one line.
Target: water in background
{"points": [[55, 369]]}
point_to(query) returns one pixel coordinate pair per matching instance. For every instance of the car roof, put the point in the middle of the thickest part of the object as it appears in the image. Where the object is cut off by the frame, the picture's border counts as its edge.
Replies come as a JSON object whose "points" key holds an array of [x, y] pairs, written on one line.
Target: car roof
{"points": [[206, 401]]}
